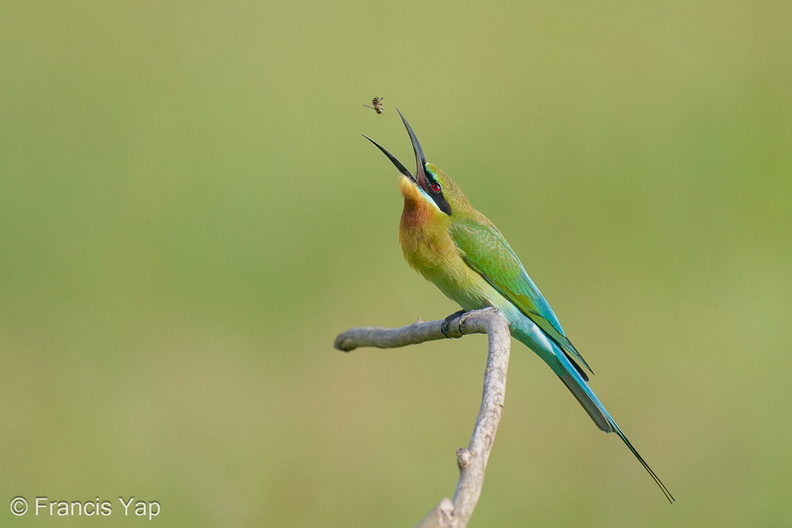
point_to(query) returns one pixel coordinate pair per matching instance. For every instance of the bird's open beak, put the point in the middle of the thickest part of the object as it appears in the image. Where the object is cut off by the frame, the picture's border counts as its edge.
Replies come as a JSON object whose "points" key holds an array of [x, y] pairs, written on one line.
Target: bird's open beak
{"points": [[420, 161]]}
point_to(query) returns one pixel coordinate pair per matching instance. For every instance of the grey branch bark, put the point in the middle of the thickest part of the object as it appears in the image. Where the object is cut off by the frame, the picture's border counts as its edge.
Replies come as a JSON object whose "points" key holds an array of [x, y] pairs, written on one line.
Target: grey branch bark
{"points": [[472, 461]]}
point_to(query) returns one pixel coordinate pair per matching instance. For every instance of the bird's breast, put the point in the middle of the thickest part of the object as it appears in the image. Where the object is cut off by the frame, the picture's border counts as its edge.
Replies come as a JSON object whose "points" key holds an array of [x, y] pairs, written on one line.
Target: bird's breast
{"points": [[424, 234]]}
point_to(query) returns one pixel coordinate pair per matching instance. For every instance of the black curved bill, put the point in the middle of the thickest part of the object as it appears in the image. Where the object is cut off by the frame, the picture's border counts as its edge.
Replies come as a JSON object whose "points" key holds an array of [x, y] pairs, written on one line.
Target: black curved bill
{"points": [[394, 159], [420, 160]]}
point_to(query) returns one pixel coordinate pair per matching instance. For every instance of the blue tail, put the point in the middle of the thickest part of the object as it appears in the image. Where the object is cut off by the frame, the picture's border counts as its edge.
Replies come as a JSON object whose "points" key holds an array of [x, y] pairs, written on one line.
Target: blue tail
{"points": [[576, 381], [571, 377]]}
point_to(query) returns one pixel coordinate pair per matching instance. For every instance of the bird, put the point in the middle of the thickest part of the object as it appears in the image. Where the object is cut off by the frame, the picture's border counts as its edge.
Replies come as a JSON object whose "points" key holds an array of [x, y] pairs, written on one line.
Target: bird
{"points": [[460, 251]]}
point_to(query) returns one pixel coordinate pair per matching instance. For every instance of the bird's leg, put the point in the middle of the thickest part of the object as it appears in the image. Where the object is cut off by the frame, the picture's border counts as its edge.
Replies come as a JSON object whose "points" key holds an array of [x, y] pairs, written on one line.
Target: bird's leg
{"points": [[447, 321]]}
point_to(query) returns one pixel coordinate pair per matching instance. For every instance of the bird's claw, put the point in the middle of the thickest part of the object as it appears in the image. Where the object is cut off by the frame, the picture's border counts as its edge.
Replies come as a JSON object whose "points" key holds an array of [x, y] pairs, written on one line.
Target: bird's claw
{"points": [[444, 327]]}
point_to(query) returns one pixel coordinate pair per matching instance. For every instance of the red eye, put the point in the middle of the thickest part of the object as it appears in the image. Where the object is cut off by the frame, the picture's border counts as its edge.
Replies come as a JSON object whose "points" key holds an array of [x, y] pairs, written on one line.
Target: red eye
{"points": [[436, 187]]}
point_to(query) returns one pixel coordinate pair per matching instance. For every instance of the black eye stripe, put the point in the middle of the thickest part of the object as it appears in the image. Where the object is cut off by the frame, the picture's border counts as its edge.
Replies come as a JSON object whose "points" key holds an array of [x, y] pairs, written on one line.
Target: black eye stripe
{"points": [[437, 192]]}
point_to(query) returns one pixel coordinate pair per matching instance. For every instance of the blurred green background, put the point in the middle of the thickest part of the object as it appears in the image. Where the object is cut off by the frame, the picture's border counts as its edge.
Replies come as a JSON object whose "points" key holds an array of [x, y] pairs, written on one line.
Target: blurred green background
{"points": [[188, 217]]}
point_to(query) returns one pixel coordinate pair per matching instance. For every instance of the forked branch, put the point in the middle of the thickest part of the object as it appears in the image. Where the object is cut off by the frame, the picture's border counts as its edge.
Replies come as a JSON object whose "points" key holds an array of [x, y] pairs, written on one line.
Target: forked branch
{"points": [[472, 461]]}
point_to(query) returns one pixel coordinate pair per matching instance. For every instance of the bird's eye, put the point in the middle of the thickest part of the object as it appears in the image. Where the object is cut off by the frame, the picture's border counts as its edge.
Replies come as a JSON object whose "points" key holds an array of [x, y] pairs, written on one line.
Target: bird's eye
{"points": [[436, 187]]}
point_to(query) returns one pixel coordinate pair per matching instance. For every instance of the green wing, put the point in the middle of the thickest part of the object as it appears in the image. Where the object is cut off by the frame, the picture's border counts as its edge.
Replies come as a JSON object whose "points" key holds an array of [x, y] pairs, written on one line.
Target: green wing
{"points": [[486, 251]]}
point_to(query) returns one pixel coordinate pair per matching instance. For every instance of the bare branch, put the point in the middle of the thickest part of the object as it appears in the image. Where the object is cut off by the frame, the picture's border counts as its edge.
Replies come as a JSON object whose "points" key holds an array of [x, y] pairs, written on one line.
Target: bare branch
{"points": [[472, 461]]}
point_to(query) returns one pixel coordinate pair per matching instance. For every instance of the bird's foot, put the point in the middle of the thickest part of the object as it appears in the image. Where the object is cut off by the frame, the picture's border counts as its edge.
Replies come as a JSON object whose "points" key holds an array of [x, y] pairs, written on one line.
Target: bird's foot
{"points": [[445, 327]]}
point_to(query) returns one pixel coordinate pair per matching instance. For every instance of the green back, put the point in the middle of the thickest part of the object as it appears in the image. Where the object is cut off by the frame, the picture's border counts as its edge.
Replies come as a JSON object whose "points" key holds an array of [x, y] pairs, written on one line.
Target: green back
{"points": [[486, 251]]}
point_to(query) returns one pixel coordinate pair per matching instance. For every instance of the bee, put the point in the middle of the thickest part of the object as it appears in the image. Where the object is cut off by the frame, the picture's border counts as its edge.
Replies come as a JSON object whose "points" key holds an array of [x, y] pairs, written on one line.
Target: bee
{"points": [[378, 106]]}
